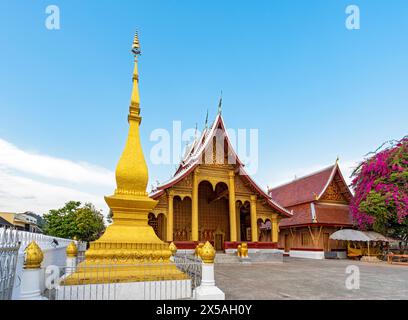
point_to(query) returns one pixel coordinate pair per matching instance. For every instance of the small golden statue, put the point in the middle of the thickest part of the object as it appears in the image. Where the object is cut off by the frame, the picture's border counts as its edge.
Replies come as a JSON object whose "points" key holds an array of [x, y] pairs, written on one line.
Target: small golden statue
{"points": [[173, 249], [243, 250]]}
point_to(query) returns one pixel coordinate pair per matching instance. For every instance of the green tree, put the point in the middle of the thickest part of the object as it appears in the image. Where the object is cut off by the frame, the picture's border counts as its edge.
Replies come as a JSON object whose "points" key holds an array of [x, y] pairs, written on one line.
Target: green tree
{"points": [[73, 220]]}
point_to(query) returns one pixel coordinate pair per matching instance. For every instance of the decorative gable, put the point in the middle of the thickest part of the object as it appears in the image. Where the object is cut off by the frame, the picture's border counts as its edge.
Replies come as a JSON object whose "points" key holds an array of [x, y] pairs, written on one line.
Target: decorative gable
{"points": [[333, 193]]}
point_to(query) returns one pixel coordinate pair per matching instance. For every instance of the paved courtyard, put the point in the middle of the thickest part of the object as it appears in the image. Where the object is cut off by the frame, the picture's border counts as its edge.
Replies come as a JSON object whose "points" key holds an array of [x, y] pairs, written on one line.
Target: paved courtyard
{"points": [[311, 279]]}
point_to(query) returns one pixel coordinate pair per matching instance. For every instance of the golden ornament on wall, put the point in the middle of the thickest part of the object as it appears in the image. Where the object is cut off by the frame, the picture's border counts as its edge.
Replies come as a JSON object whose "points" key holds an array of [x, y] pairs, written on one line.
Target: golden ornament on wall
{"points": [[72, 250], [34, 256]]}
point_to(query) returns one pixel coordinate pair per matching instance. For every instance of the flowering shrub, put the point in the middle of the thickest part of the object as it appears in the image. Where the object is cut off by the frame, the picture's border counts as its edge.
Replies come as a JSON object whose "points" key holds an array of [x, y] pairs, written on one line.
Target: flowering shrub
{"points": [[380, 184]]}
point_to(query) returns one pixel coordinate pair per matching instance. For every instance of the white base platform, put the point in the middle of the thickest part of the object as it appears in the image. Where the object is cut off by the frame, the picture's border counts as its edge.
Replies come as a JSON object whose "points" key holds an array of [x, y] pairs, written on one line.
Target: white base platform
{"points": [[148, 290], [306, 254], [209, 293]]}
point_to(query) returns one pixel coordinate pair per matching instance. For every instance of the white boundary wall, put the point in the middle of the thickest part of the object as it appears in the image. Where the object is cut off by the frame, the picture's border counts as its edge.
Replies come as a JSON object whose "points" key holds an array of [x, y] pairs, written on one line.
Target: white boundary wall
{"points": [[149, 290], [54, 254]]}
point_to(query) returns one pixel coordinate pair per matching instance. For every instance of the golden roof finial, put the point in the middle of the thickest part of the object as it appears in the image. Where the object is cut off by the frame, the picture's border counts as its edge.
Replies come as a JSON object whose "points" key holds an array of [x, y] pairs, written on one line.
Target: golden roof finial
{"points": [[136, 45], [220, 104], [337, 160]]}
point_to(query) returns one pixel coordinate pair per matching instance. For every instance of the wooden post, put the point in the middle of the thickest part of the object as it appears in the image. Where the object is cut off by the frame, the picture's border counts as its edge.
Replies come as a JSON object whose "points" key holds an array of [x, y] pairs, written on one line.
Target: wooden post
{"points": [[254, 227], [275, 228], [170, 216], [194, 208], [232, 212]]}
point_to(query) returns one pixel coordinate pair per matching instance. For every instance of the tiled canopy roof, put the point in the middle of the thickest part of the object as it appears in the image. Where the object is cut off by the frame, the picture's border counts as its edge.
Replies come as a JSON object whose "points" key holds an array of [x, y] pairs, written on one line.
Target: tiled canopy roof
{"points": [[310, 187], [301, 196], [333, 214]]}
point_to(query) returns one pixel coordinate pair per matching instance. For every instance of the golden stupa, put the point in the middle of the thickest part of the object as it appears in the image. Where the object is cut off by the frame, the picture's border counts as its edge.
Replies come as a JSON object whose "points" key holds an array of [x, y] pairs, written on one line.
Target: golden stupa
{"points": [[129, 250]]}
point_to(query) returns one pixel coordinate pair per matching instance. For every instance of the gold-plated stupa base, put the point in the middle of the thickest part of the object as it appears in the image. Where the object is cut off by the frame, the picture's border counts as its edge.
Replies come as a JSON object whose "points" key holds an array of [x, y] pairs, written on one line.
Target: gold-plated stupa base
{"points": [[120, 255], [113, 273]]}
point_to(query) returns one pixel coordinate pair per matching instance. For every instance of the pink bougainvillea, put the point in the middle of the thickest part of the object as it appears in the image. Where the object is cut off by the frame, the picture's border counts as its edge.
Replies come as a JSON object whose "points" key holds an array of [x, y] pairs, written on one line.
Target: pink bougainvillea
{"points": [[380, 184]]}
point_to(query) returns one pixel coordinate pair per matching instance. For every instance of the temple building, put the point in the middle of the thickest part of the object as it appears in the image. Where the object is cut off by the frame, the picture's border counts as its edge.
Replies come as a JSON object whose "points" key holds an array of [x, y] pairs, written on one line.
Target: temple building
{"points": [[212, 198], [320, 206]]}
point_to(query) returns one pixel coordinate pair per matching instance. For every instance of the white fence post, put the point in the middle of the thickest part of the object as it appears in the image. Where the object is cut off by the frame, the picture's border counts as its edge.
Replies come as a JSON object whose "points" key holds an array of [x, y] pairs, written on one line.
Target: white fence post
{"points": [[208, 290], [72, 252]]}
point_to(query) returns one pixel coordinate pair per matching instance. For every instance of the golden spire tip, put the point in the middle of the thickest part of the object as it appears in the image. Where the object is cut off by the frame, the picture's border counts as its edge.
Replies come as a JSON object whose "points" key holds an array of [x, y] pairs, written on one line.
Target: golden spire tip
{"points": [[136, 45]]}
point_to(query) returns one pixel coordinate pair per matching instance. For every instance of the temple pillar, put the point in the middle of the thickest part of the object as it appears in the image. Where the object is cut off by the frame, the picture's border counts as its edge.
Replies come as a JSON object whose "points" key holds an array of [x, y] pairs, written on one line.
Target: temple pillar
{"points": [[232, 211], [194, 207], [237, 209], [170, 216], [254, 227], [275, 228]]}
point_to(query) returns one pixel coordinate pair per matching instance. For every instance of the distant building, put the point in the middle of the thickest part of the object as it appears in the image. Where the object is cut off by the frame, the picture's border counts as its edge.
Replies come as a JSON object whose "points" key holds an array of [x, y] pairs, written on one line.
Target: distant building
{"points": [[4, 223], [320, 206], [20, 221]]}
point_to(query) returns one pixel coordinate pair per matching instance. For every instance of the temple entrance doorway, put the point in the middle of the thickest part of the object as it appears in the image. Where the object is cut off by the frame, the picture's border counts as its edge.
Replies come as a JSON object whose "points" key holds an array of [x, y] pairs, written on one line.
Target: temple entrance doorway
{"points": [[213, 214], [245, 221], [182, 219], [265, 231]]}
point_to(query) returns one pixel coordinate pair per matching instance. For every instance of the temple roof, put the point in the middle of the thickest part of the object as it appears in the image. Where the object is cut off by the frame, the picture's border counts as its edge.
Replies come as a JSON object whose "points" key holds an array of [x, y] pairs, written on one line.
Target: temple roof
{"points": [[303, 196], [309, 188], [192, 159]]}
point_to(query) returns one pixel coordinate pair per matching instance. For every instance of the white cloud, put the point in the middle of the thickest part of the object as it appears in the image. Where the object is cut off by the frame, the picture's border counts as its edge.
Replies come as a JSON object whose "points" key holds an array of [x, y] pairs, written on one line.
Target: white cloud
{"points": [[12, 157], [36, 182]]}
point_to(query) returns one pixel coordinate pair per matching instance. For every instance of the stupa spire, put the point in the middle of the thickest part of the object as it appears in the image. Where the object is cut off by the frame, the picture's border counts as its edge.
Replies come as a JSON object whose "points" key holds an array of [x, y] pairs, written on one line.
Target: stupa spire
{"points": [[131, 171], [134, 109], [129, 240]]}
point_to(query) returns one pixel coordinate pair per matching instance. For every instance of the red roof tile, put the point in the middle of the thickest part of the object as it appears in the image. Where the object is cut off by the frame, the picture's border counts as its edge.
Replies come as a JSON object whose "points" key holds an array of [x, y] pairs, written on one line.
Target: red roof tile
{"points": [[333, 214], [302, 190], [301, 215]]}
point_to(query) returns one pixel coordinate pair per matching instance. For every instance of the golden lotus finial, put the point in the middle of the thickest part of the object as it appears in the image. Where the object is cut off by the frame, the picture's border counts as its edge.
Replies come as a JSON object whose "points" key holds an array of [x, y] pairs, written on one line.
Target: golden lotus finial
{"points": [[34, 256], [72, 250], [207, 253], [198, 248], [173, 249]]}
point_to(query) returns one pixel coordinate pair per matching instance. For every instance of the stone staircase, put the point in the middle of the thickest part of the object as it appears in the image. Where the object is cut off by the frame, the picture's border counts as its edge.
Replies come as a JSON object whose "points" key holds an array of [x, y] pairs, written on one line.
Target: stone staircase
{"points": [[264, 257], [221, 257]]}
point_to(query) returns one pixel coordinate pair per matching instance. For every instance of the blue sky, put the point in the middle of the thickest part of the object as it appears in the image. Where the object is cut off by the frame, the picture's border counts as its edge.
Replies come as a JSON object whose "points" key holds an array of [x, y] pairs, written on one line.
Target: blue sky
{"points": [[291, 69]]}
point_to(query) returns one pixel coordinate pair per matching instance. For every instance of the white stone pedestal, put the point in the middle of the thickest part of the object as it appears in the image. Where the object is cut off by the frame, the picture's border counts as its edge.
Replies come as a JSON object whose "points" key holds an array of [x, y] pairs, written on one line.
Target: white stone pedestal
{"points": [[207, 290], [147, 290], [30, 285], [71, 265]]}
